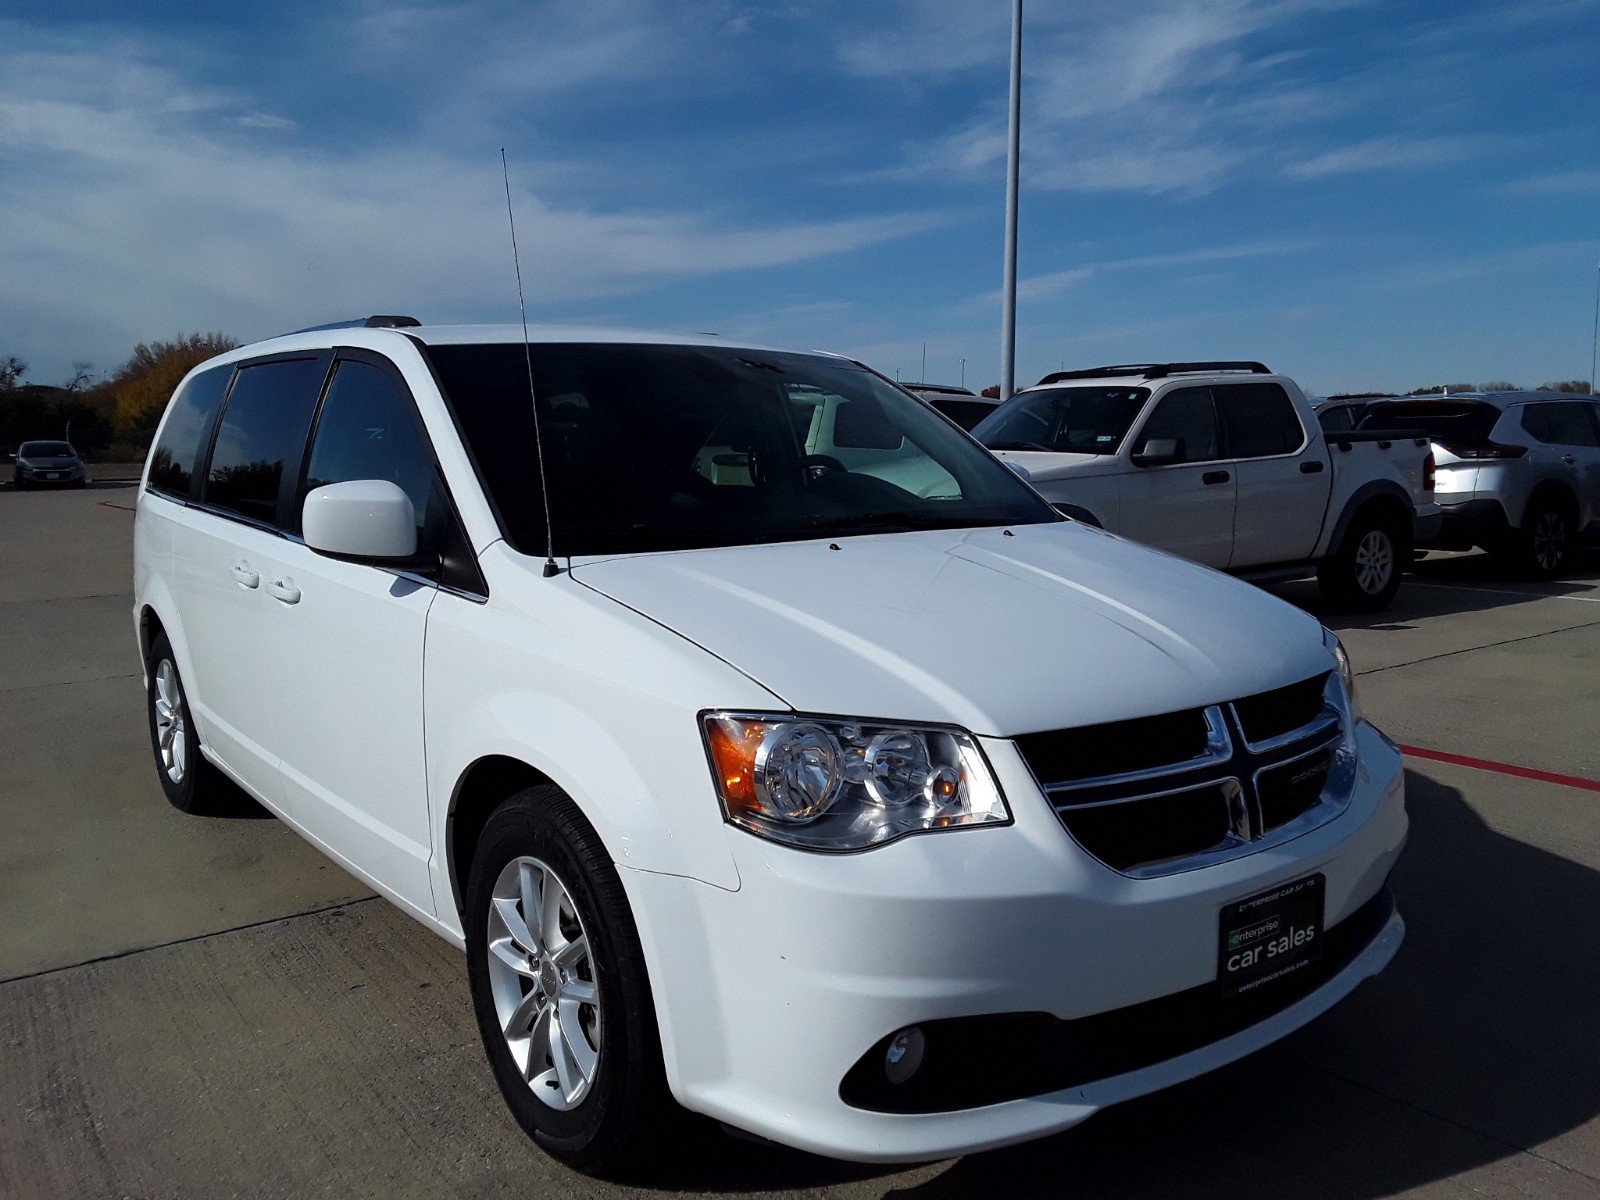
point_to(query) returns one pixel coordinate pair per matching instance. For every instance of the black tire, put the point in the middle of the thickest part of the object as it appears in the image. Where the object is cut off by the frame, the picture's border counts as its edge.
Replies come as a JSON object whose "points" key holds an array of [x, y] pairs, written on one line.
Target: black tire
{"points": [[619, 1122], [1363, 573], [1543, 546], [199, 788]]}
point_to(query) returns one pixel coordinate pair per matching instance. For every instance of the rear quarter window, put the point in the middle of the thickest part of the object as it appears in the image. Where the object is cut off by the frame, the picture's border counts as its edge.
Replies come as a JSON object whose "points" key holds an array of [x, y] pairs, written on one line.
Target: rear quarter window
{"points": [[187, 428]]}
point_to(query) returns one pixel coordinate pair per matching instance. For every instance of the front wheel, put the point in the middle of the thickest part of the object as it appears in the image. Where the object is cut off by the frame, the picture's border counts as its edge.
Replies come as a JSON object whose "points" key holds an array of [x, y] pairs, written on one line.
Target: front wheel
{"points": [[559, 986], [1363, 574]]}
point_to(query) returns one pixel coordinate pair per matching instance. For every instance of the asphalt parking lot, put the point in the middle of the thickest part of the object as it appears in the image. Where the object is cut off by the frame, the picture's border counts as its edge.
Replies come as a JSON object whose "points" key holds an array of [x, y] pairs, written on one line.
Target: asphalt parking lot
{"points": [[206, 1007]]}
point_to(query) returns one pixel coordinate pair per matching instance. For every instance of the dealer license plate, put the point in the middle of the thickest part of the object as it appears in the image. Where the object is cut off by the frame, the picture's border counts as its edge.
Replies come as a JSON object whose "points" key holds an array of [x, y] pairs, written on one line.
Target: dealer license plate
{"points": [[1270, 936]]}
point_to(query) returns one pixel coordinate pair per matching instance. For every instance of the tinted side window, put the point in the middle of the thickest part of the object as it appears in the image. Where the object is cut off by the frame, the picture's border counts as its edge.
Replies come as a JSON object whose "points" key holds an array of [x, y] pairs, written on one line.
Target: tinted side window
{"points": [[1189, 415], [1536, 420], [262, 433], [367, 431], [183, 437], [1570, 424], [1337, 420], [1260, 420]]}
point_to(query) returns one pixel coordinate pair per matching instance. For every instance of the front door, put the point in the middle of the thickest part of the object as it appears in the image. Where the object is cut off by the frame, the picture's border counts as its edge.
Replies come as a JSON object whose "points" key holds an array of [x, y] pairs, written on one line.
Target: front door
{"points": [[1186, 506], [350, 701]]}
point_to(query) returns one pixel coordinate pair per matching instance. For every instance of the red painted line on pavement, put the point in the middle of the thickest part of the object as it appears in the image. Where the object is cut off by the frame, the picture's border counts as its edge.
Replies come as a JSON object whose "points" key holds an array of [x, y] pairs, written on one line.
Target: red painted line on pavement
{"points": [[1500, 768], [123, 507]]}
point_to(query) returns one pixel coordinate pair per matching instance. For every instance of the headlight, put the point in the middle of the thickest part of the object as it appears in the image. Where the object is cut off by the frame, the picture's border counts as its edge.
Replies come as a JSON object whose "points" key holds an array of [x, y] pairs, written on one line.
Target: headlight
{"points": [[1347, 675], [834, 783]]}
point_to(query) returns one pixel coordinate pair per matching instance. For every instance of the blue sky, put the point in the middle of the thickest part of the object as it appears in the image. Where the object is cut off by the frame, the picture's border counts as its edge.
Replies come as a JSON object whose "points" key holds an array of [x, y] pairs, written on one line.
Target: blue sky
{"points": [[1365, 194]]}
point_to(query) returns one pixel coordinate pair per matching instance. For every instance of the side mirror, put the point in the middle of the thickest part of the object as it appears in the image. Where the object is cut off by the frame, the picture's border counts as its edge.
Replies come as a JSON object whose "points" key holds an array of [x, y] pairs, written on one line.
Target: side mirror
{"points": [[369, 520], [1020, 470], [1159, 452]]}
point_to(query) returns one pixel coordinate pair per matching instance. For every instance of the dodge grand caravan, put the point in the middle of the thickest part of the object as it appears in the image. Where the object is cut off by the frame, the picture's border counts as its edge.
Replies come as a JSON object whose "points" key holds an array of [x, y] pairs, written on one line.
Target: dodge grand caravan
{"points": [[852, 797]]}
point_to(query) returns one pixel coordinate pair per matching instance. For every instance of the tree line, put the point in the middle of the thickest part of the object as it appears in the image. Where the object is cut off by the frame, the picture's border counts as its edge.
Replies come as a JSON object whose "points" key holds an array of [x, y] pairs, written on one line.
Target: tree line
{"points": [[110, 419]]}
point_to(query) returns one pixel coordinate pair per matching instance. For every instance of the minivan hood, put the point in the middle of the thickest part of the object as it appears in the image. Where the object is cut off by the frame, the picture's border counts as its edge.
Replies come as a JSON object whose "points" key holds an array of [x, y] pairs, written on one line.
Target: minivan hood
{"points": [[1001, 632]]}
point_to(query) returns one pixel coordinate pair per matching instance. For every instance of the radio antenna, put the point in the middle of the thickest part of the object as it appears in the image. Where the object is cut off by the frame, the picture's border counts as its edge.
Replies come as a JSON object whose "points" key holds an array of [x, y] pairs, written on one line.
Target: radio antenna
{"points": [[550, 567]]}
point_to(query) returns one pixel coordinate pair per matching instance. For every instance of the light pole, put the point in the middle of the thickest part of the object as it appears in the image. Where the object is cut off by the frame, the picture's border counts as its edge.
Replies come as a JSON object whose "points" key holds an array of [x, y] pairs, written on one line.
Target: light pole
{"points": [[1008, 320], [1594, 346], [963, 372]]}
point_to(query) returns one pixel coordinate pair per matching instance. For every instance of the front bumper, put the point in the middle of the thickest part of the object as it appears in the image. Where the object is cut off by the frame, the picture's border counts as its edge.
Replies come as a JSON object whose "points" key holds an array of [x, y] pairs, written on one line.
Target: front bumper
{"points": [[51, 475], [769, 995]]}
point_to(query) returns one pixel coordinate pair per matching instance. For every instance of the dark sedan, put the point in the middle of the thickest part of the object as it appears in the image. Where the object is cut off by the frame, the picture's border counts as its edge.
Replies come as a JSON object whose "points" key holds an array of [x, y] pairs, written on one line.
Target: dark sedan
{"points": [[48, 464]]}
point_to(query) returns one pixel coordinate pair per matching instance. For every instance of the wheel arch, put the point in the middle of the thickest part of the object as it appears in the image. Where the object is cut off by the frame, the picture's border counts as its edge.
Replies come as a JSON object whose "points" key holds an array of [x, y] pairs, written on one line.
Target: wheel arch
{"points": [[487, 783], [1557, 490], [1380, 495]]}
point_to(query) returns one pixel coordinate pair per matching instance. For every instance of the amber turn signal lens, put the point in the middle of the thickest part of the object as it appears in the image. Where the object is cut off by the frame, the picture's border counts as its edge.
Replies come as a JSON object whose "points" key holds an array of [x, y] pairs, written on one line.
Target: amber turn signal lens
{"points": [[733, 751]]}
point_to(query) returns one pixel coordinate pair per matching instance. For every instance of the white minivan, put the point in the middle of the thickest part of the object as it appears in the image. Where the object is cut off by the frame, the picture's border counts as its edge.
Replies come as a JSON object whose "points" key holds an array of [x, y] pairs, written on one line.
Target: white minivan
{"points": [[813, 775]]}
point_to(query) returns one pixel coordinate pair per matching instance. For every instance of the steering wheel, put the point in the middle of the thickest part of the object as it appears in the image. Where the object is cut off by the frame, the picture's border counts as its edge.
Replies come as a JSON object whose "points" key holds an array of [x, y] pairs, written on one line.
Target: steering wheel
{"points": [[817, 465]]}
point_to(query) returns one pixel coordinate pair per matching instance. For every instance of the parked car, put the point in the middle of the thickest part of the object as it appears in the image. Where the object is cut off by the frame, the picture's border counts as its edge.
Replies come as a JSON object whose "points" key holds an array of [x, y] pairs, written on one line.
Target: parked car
{"points": [[54, 464], [1519, 472], [888, 824], [1224, 463], [963, 407], [1340, 414]]}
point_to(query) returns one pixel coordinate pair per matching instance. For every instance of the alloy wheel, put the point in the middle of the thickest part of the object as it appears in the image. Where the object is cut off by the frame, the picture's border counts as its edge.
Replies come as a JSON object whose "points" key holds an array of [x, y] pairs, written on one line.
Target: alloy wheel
{"points": [[1550, 540], [172, 731], [541, 973], [1374, 561]]}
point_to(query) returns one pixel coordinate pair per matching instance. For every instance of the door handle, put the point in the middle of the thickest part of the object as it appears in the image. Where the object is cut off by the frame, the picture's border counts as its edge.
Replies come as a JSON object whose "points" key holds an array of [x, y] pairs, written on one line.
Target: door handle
{"points": [[244, 576], [1215, 477], [1568, 459], [1314, 467], [283, 589]]}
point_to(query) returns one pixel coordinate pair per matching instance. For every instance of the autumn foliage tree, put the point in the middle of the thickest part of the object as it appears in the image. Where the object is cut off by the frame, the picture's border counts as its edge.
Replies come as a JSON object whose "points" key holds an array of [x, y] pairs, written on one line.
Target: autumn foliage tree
{"points": [[146, 381]]}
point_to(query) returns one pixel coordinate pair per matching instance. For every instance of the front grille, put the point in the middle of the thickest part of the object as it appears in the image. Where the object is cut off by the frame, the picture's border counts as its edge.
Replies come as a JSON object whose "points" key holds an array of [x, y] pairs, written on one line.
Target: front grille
{"points": [[1164, 793], [1269, 715]]}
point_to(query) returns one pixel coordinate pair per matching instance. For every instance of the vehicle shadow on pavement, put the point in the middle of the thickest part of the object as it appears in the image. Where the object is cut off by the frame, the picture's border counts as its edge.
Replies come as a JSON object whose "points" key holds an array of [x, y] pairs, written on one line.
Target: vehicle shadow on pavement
{"points": [[1455, 583], [1479, 1041]]}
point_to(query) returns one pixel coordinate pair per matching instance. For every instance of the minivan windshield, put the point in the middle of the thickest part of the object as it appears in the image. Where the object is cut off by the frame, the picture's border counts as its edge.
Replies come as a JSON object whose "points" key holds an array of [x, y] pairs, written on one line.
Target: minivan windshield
{"points": [[1073, 420], [663, 447], [46, 450]]}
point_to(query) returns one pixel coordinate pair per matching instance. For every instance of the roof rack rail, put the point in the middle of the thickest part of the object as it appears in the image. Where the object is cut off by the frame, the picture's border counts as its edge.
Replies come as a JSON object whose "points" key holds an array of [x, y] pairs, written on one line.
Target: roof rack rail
{"points": [[377, 321], [1157, 370]]}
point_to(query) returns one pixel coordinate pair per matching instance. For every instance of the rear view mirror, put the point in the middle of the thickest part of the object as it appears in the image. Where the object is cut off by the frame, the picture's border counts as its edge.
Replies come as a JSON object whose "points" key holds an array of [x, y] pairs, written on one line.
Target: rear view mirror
{"points": [[1159, 452], [369, 520]]}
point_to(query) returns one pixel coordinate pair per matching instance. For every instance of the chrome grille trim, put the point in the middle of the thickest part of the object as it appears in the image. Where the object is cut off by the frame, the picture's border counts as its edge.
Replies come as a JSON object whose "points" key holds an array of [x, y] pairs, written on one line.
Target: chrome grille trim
{"points": [[1219, 749], [1228, 760]]}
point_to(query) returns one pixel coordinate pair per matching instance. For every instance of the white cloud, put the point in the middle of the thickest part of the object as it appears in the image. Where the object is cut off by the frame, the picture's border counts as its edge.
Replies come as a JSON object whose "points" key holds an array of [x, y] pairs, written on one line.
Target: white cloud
{"points": [[265, 120], [1380, 153], [1039, 287], [147, 209], [1557, 183]]}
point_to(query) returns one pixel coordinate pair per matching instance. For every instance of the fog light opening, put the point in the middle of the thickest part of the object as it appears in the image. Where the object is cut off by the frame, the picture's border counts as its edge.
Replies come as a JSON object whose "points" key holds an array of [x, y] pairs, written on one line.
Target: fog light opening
{"points": [[903, 1059]]}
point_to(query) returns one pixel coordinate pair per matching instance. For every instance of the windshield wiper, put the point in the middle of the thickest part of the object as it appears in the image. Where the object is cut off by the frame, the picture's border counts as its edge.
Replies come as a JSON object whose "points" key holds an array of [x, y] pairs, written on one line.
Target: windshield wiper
{"points": [[1019, 446]]}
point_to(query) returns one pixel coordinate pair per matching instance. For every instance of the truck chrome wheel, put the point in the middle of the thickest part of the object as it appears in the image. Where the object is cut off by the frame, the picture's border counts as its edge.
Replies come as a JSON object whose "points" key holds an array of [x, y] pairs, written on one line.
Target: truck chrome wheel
{"points": [[172, 732], [543, 980], [1374, 561]]}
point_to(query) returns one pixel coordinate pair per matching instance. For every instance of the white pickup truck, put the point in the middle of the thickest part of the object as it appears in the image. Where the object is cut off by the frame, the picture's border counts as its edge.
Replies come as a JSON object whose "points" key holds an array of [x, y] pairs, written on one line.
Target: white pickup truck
{"points": [[1224, 463]]}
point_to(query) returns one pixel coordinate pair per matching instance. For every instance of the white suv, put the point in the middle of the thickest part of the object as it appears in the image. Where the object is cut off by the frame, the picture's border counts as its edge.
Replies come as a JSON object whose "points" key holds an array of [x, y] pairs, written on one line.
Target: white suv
{"points": [[1518, 473], [814, 775]]}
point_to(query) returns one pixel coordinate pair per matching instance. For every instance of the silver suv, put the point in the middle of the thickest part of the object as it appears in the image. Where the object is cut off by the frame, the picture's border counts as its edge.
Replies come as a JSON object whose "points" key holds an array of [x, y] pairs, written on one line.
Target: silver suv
{"points": [[1518, 472]]}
